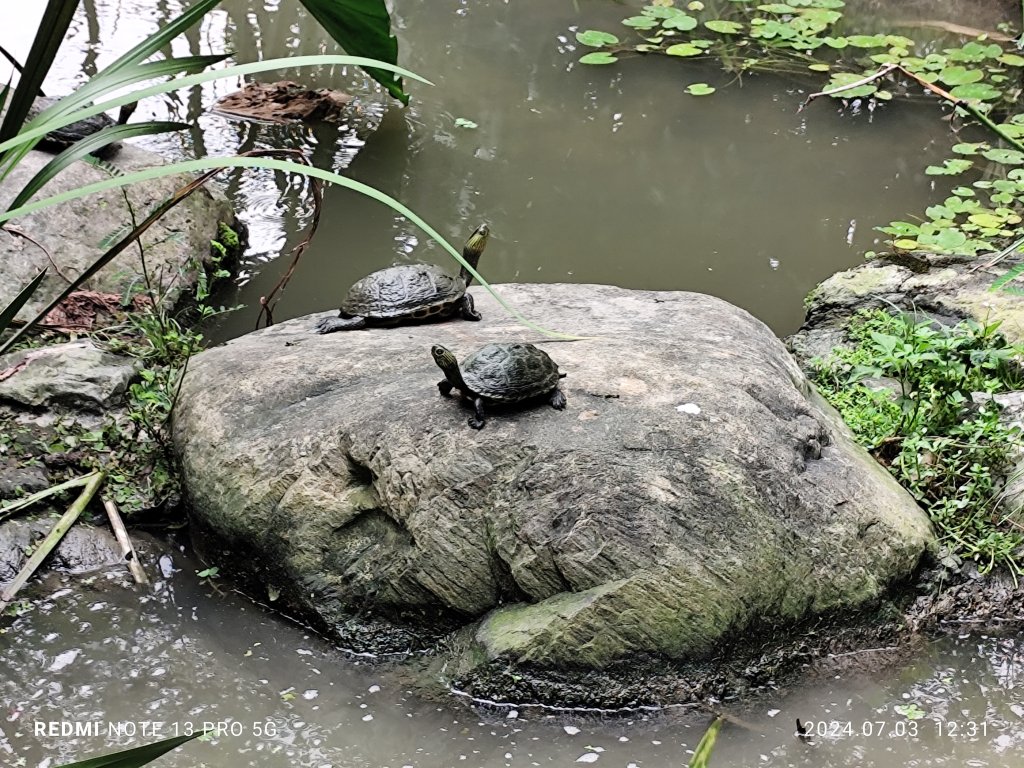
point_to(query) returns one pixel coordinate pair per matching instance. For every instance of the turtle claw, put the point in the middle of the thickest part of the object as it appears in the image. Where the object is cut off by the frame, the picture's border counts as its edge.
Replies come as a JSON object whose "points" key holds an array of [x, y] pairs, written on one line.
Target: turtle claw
{"points": [[557, 400], [475, 423], [467, 309], [332, 324]]}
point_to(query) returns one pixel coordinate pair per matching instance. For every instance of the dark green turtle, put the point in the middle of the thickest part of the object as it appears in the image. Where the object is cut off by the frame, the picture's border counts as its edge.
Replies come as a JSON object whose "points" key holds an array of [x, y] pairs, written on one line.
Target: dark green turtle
{"points": [[500, 373], [410, 293], [60, 139]]}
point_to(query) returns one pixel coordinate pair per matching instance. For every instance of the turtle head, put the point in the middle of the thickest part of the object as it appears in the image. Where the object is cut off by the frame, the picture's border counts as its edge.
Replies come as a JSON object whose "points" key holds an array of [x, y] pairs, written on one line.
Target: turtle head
{"points": [[473, 248], [444, 358]]}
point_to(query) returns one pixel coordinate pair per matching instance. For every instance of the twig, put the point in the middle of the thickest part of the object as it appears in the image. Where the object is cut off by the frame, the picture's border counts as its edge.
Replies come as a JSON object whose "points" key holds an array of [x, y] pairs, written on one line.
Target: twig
{"points": [[37, 244], [53, 538], [998, 257], [956, 29], [13, 507], [849, 86], [127, 550], [267, 302], [942, 93]]}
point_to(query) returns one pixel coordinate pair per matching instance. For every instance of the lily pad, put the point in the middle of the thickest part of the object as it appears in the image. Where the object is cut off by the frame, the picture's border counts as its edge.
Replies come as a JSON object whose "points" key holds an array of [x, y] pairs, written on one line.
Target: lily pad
{"points": [[976, 91], [960, 75], [682, 22], [948, 168], [598, 57], [723, 26], [1004, 156], [699, 89], [596, 38], [683, 49], [640, 22]]}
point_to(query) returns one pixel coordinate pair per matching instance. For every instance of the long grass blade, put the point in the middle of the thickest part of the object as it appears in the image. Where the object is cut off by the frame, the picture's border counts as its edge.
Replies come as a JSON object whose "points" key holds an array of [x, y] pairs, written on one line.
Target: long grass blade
{"points": [[702, 754], [161, 37], [135, 757], [191, 166], [52, 28], [237, 70], [52, 117], [8, 313], [84, 146]]}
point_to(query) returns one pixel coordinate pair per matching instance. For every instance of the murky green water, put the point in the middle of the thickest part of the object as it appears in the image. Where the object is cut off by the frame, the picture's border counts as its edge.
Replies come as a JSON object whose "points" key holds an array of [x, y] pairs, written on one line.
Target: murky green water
{"points": [[96, 656], [598, 175]]}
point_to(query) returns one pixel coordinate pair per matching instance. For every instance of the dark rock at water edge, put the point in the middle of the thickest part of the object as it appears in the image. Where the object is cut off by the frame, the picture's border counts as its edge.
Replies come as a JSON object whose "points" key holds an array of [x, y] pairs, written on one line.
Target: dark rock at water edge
{"points": [[692, 489]]}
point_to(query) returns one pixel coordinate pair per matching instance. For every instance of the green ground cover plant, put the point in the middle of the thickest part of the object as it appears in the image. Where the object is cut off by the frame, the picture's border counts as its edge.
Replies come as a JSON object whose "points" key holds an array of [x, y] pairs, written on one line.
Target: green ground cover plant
{"points": [[917, 395]]}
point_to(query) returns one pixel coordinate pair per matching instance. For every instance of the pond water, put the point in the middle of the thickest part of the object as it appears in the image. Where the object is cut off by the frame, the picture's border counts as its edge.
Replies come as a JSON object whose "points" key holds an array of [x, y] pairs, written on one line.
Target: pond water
{"points": [[94, 654], [586, 174], [608, 175]]}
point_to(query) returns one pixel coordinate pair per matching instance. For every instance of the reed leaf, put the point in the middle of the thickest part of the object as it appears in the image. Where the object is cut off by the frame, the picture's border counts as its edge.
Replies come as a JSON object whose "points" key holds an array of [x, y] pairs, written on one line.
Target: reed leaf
{"points": [[135, 757], [8, 313]]}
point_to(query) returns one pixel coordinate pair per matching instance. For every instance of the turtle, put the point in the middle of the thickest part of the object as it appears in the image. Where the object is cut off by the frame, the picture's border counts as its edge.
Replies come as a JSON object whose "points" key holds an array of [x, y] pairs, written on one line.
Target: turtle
{"points": [[500, 373], [61, 138], [410, 293]]}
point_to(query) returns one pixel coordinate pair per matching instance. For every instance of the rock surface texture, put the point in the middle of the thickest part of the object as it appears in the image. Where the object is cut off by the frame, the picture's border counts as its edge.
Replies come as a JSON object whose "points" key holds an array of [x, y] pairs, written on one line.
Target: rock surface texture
{"points": [[689, 491], [74, 234]]}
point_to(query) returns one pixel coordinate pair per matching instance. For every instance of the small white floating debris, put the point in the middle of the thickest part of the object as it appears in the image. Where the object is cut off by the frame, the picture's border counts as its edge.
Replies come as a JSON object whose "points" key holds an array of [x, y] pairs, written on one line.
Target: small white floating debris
{"points": [[373, 689], [623, 738], [508, 755], [773, 263], [572, 730], [773, 712], [589, 757], [303, 652], [512, 715], [310, 694], [367, 718], [1017, 709], [691, 408]]}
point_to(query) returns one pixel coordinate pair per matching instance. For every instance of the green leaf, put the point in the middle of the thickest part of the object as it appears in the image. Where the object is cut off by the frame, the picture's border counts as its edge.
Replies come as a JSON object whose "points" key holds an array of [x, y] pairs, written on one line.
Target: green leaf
{"points": [[960, 75], [1004, 156], [973, 91], [81, 148], [640, 22], [598, 57], [950, 239], [986, 220], [836, 42], [699, 89], [682, 22], [684, 49], [819, 67], [949, 168], [1012, 60], [362, 28], [867, 41], [461, 122], [50, 34], [724, 27], [971, 148], [595, 38], [8, 313], [136, 757], [780, 8]]}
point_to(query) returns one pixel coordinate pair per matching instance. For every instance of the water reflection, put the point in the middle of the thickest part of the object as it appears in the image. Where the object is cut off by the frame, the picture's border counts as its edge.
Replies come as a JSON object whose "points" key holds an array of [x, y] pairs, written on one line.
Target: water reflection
{"points": [[185, 654]]}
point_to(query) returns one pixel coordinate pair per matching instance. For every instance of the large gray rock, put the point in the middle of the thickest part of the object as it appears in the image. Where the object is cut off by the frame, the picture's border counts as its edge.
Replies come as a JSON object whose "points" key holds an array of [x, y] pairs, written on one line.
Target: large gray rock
{"points": [[690, 489], [76, 233], [73, 375]]}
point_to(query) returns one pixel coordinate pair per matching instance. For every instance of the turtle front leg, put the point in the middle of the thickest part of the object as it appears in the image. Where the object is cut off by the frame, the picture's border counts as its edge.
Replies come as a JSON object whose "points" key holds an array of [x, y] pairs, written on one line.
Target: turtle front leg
{"points": [[339, 323], [557, 399], [467, 309], [445, 388], [476, 421]]}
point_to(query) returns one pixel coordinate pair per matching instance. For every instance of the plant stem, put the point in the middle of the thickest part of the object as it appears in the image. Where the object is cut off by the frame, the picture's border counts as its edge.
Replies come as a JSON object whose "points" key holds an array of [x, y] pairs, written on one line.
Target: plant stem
{"points": [[10, 509], [121, 534], [52, 539]]}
